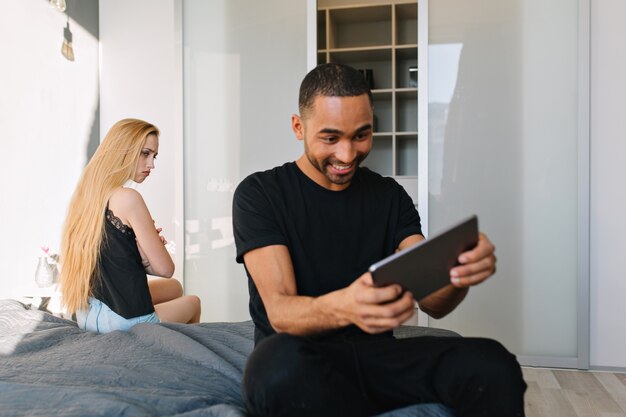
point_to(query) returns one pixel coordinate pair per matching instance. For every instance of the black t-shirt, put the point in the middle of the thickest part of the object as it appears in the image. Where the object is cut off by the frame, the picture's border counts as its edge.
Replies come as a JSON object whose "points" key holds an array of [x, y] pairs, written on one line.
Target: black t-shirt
{"points": [[123, 284], [332, 236]]}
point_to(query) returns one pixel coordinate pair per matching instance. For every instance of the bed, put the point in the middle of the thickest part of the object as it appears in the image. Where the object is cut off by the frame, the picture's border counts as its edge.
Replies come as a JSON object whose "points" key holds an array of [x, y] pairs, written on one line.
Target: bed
{"points": [[48, 366]]}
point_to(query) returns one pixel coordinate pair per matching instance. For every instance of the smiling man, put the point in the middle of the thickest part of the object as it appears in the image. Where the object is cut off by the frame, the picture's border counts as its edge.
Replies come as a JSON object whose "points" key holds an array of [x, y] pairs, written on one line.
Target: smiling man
{"points": [[307, 232]]}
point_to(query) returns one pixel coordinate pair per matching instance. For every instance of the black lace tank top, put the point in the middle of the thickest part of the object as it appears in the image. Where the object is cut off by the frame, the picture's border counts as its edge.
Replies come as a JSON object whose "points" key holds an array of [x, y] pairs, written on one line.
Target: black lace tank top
{"points": [[123, 284]]}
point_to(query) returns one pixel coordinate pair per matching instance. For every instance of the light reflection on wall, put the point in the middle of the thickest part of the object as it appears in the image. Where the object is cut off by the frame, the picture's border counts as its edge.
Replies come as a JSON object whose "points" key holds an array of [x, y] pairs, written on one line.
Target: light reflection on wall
{"points": [[212, 144], [441, 88]]}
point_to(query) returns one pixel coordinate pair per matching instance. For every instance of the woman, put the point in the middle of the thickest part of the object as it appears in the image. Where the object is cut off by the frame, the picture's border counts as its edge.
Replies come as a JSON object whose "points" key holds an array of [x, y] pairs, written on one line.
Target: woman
{"points": [[110, 242]]}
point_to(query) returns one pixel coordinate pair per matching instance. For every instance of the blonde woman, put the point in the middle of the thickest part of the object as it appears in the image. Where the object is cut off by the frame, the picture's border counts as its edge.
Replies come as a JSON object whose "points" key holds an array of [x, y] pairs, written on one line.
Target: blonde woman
{"points": [[110, 242]]}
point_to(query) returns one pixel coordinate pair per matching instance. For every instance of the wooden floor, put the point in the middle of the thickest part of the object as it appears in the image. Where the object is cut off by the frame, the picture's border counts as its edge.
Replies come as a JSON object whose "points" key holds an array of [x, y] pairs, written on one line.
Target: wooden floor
{"points": [[563, 393]]}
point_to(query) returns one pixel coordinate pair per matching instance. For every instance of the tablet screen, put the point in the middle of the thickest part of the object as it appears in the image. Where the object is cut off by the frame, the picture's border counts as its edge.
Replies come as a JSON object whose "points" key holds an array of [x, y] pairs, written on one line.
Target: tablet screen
{"points": [[425, 267]]}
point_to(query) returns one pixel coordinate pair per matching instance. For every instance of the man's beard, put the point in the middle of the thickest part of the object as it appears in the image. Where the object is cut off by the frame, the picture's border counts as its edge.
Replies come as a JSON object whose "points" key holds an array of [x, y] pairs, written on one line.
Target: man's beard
{"points": [[336, 178]]}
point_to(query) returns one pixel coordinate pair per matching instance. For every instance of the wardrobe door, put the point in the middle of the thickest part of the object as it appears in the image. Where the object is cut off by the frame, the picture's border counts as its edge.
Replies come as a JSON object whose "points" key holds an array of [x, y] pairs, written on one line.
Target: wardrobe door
{"points": [[508, 141], [243, 62]]}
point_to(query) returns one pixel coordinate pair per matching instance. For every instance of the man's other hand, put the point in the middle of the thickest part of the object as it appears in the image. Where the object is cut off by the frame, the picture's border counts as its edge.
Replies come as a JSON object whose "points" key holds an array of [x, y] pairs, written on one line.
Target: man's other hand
{"points": [[476, 266], [377, 309]]}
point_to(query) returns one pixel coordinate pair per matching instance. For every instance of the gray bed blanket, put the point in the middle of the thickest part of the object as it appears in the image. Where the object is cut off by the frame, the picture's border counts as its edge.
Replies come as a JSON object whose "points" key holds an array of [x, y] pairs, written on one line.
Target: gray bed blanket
{"points": [[49, 367]]}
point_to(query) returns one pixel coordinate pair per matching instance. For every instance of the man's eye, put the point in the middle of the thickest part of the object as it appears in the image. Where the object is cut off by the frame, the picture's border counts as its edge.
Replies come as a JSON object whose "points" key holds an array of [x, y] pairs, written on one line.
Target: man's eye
{"points": [[330, 139]]}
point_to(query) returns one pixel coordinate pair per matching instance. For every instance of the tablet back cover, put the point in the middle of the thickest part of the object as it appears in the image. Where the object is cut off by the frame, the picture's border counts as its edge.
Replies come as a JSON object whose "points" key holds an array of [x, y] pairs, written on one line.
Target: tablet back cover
{"points": [[425, 267]]}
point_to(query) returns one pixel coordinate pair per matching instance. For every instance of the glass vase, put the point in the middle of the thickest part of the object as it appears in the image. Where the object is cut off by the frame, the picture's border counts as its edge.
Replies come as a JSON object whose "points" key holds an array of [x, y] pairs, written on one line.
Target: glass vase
{"points": [[43, 275]]}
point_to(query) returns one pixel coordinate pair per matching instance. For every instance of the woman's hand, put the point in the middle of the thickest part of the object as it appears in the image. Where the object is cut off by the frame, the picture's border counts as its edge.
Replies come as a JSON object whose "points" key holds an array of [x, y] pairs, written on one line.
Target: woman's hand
{"points": [[159, 230]]}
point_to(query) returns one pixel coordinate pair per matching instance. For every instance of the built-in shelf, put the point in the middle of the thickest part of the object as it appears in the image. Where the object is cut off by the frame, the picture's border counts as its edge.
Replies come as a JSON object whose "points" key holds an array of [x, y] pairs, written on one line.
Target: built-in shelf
{"points": [[380, 37]]}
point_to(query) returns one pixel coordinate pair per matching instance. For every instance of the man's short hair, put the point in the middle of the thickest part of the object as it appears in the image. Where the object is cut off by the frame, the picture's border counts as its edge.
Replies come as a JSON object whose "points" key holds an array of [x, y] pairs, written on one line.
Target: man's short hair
{"points": [[331, 80]]}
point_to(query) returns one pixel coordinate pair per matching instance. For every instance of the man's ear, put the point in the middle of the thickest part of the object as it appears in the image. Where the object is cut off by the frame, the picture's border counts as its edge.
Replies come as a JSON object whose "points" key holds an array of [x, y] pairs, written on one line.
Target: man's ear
{"points": [[297, 126]]}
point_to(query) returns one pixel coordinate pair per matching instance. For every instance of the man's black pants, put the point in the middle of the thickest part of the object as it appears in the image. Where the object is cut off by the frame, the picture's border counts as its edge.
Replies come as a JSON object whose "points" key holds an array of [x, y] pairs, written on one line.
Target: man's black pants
{"points": [[360, 375]]}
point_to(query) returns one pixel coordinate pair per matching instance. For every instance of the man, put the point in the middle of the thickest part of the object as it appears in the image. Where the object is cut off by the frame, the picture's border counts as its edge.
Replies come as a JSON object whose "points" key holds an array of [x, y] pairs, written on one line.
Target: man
{"points": [[307, 233]]}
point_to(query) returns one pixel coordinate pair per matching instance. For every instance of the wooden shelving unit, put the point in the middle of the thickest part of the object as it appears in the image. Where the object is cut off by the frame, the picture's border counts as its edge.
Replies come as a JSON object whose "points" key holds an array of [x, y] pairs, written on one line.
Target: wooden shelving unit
{"points": [[381, 37]]}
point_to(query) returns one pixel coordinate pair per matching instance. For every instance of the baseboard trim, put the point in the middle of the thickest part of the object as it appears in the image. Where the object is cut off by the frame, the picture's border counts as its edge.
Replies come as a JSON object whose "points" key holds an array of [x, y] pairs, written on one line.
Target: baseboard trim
{"points": [[617, 369], [548, 362]]}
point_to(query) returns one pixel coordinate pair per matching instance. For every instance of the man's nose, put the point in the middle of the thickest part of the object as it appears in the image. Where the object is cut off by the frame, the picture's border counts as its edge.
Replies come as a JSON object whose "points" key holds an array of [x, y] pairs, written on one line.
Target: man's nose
{"points": [[345, 151]]}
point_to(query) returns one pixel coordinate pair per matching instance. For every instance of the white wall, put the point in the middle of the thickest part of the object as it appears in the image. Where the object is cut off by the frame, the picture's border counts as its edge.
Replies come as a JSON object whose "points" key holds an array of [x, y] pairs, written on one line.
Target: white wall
{"points": [[141, 77], [608, 188], [48, 127]]}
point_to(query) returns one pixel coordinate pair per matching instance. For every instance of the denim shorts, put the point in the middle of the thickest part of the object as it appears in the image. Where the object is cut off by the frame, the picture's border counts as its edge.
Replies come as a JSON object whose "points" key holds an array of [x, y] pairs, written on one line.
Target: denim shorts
{"points": [[100, 318]]}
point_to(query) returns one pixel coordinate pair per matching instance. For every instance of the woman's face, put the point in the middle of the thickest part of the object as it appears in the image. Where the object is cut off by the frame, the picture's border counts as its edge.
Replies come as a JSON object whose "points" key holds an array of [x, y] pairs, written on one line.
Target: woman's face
{"points": [[148, 154]]}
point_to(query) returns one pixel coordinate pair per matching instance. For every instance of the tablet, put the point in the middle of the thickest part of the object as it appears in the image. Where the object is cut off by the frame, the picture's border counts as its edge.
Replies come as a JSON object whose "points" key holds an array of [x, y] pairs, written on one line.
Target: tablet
{"points": [[425, 267]]}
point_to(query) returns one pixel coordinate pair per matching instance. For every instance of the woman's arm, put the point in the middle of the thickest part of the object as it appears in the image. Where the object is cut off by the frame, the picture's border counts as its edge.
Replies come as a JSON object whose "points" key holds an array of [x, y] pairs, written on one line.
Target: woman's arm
{"points": [[146, 262], [128, 205]]}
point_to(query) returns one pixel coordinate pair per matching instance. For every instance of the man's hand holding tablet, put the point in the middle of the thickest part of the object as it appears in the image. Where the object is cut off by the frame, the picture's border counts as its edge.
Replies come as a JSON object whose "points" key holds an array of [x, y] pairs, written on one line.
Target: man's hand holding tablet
{"points": [[425, 267]]}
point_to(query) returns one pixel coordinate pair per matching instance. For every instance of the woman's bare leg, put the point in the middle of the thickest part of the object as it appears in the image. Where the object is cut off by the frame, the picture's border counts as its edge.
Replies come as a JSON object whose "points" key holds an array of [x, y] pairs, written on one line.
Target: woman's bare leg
{"points": [[164, 289], [185, 309], [170, 304]]}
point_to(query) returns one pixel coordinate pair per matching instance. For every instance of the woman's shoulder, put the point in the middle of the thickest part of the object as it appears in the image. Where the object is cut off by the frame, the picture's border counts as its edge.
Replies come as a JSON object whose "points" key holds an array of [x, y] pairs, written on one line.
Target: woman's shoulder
{"points": [[124, 201], [124, 196]]}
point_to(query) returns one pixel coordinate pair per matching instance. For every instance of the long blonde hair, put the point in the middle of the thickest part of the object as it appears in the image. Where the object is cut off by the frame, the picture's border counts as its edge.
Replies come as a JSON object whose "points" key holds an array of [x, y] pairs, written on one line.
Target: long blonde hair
{"points": [[111, 166]]}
